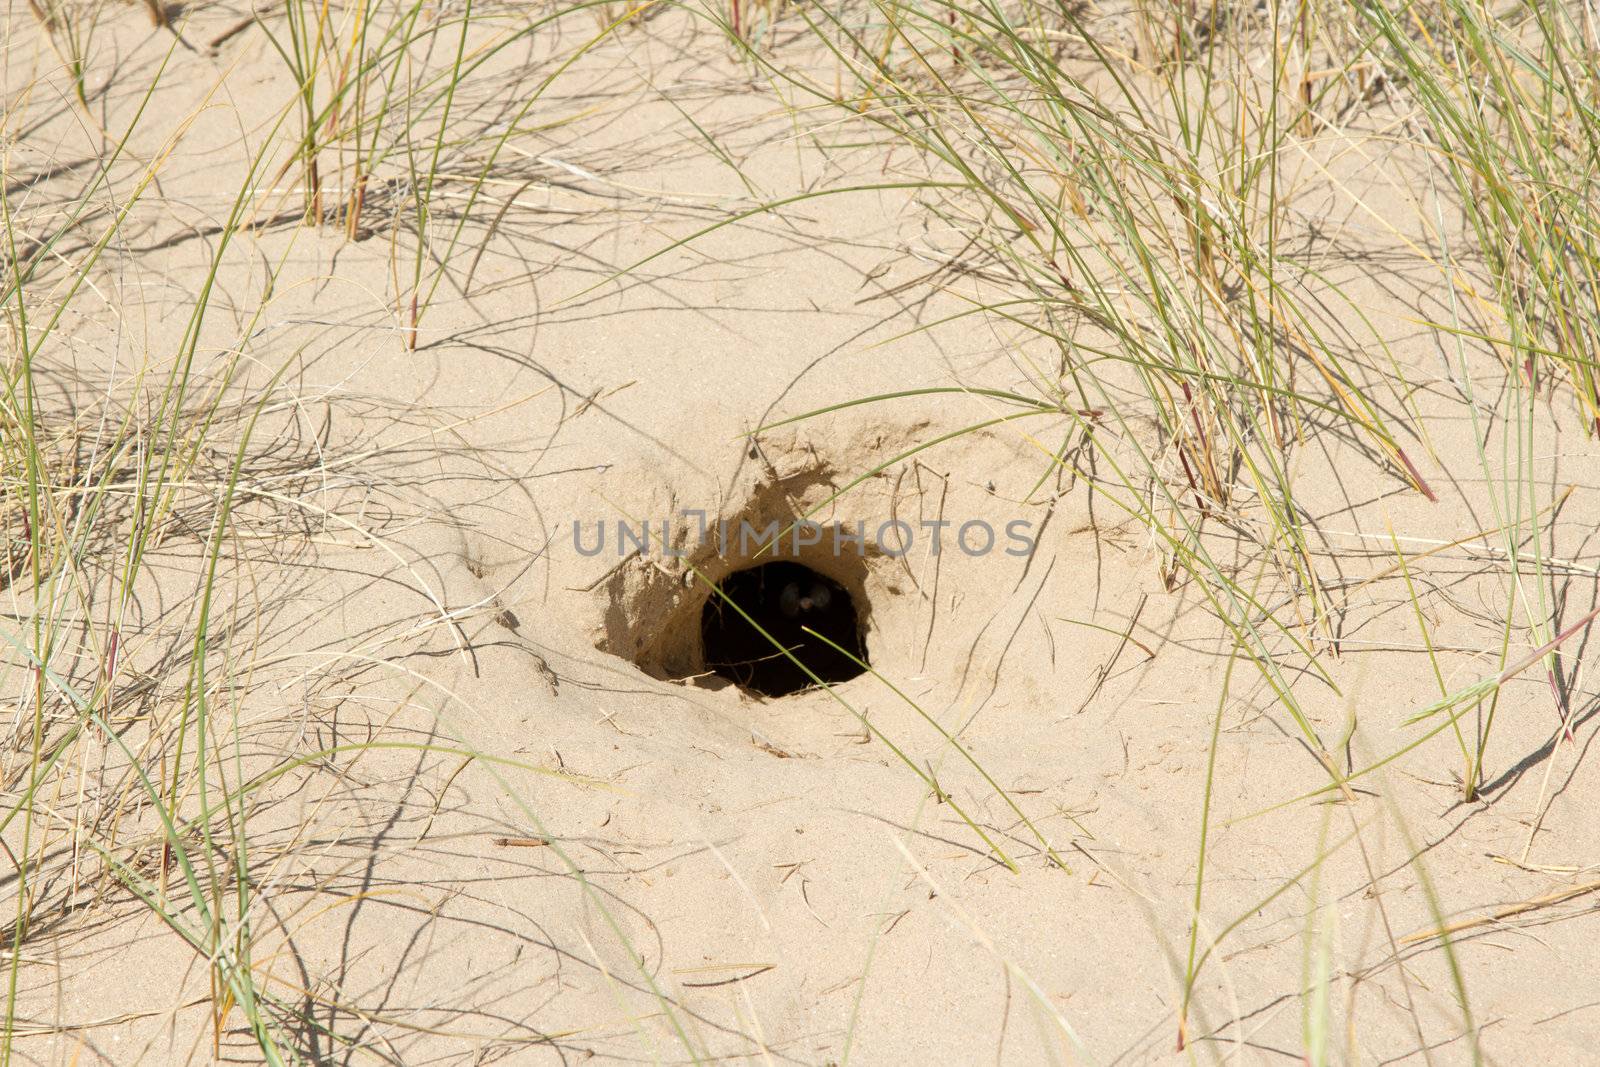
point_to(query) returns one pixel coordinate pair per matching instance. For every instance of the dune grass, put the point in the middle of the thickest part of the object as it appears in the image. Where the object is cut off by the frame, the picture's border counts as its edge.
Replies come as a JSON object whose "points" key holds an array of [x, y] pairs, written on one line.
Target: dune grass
{"points": [[162, 455], [1127, 203], [1135, 213]]}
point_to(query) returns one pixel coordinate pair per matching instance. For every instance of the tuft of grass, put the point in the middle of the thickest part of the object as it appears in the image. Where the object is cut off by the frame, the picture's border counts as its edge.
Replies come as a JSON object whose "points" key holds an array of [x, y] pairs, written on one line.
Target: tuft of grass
{"points": [[143, 716], [1509, 100], [1135, 230]]}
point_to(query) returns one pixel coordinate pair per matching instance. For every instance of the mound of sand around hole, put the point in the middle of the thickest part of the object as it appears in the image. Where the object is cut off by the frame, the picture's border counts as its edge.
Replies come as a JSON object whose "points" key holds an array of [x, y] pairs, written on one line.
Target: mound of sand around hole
{"points": [[889, 542]]}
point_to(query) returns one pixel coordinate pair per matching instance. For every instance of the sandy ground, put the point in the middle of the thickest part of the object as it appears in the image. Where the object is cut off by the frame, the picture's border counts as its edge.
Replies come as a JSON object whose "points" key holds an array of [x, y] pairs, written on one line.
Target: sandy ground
{"points": [[649, 868]]}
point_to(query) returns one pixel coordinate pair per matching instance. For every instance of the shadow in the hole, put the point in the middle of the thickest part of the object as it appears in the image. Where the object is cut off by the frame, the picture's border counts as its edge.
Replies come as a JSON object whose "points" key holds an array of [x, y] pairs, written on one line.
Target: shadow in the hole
{"points": [[782, 599]]}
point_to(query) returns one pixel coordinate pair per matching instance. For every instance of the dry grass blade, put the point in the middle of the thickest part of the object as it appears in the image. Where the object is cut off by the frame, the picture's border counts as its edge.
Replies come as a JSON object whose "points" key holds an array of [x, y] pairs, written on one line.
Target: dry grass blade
{"points": [[1509, 911]]}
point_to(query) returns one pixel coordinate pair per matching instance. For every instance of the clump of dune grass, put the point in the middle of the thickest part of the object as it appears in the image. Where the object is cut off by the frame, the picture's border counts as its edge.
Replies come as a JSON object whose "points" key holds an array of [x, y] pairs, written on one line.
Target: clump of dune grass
{"points": [[1126, 215], [379, 110], [131, 773], [1508, 102]]}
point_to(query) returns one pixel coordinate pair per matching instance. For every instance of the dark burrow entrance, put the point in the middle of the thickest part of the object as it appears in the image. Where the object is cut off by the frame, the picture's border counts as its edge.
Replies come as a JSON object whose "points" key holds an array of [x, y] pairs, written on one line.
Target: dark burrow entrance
{"points": [[783, 599]]}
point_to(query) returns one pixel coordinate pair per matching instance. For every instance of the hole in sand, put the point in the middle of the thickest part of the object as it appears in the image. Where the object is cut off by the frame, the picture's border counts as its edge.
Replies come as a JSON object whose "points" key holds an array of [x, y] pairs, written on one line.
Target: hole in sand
{"points": [[785, 600]]}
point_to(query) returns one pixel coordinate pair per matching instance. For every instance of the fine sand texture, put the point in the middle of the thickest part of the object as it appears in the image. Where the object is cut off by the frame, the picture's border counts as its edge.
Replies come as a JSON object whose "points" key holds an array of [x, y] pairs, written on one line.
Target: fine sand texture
{"points": [[371, 370]]}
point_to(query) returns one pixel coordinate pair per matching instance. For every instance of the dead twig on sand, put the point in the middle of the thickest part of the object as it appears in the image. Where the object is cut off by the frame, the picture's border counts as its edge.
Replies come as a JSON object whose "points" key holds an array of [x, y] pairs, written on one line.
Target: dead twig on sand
{"points": [[1507, 912]]}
